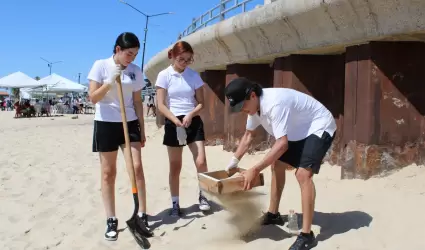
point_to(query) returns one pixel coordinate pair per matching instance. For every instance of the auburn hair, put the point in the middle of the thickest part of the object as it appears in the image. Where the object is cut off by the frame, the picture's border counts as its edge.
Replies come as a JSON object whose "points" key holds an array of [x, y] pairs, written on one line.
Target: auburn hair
{"points": [[180, 48]]}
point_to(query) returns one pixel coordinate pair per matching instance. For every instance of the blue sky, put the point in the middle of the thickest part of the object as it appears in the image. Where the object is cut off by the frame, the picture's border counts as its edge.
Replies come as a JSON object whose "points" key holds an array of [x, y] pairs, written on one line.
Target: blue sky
{"points": [[80, 31]]}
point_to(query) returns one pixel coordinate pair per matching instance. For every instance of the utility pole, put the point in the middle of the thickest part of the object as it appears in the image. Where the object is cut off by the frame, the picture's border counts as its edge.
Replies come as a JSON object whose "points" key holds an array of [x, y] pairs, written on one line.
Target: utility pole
{"points": [[146, 27], [50, 64]]}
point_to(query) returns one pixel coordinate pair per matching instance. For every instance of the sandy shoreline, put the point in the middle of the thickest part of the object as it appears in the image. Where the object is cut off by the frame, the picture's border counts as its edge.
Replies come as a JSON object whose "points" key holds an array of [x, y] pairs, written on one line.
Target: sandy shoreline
{"points": [[50, 197]]}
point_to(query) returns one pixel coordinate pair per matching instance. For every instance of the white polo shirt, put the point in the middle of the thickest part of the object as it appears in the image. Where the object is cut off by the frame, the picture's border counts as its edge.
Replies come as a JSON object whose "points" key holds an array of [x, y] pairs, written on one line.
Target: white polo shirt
{"points": [[180, 89], [285, 111], [108, 109]]}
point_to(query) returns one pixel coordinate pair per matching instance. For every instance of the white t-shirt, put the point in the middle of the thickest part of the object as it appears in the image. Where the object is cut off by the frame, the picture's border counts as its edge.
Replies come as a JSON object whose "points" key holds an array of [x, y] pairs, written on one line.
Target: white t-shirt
{"points": [[285, 111], [180, 89], [108, 109]]}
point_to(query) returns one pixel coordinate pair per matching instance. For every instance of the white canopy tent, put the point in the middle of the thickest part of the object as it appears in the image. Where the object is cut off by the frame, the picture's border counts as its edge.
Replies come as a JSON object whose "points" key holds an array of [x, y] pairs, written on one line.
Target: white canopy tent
{"points": [[19, 80], [57, 84]]}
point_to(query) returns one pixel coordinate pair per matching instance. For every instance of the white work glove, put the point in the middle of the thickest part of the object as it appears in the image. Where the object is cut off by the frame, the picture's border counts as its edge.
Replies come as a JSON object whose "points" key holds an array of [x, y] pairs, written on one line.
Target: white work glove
{"points": [[181, 135], [232, 164], [113, 72]]}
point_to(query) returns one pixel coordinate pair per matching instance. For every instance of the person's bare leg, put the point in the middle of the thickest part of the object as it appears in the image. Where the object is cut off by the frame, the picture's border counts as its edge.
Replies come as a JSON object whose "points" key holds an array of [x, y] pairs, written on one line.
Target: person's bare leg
{"points": [[136, 152], [278, 169], [175, 160], [198, 152], [308, 195], [108, 162]]}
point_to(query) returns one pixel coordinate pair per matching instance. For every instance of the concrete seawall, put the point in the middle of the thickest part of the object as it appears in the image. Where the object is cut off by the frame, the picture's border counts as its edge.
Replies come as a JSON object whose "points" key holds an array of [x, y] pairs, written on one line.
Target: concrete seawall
{"points": [[363, 59], [299, 27]]}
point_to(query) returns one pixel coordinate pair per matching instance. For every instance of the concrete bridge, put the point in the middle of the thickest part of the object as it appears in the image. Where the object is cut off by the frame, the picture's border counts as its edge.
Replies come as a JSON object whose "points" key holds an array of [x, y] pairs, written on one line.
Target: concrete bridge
{"points": [[364, 59]]}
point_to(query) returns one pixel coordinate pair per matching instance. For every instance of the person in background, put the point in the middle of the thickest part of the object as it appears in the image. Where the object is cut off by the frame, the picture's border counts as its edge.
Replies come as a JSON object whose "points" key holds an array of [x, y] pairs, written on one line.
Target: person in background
{"points": [[108, 134], [180, 98], [151, 105]]}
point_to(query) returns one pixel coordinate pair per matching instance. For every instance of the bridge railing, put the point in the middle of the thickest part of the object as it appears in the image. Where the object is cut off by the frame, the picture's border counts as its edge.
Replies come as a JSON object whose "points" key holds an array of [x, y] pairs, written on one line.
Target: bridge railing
{"points": [[216, 13]]}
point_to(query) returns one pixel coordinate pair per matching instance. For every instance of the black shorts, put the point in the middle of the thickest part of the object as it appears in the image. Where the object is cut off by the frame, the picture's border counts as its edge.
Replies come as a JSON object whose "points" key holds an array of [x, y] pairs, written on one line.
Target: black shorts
{"points": [[109, 136], [309, 152], [195, 132]]}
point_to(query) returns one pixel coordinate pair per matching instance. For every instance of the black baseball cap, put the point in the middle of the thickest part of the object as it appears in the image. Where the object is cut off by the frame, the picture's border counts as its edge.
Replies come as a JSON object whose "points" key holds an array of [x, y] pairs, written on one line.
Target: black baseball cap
{"points": [[237, 91]]}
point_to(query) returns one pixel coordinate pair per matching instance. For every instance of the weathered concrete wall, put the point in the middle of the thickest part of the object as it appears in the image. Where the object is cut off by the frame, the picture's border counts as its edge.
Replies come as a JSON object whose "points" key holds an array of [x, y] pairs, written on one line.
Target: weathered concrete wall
{"points": [[384, 108], [292, 27]]}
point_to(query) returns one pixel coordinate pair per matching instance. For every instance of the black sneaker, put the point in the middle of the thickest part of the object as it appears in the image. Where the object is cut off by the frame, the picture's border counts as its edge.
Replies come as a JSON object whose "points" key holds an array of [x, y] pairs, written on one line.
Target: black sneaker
{"points": [[111, 229], [175, 210], [273, 219], [304, 242], [142, 222], [204, 205]]}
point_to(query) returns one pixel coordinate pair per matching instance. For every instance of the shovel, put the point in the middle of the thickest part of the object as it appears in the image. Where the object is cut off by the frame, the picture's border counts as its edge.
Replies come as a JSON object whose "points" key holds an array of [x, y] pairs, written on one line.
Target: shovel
{"points": [[132, 224]]}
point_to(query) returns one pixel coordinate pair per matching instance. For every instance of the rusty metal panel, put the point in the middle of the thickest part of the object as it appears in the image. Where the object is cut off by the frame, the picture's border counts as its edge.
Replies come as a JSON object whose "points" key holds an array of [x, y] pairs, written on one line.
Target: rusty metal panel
{"points": [[389, 127], [213, 112], [402, 105], [364, 160], [350, 94], [321, 76], [283, 73], [235, 123]]}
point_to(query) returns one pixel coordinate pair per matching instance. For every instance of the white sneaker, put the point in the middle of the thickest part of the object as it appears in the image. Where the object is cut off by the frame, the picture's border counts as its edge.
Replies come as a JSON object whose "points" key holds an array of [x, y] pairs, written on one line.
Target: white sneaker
{"points": [[203, 203]]}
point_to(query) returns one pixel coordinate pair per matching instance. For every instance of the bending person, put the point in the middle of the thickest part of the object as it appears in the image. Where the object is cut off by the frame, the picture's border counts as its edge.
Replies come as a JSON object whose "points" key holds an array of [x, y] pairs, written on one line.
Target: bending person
{"points": [[180, 98], [108, 133], [304, 130]]}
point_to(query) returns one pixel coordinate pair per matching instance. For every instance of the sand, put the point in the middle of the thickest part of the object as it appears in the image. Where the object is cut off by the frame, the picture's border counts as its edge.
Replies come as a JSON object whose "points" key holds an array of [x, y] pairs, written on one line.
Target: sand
{"points": [[50, 198]]}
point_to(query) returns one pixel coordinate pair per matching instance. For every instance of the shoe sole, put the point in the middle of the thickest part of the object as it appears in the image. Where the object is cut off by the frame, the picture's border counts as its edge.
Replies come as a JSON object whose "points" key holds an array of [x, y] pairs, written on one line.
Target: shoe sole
{"points": [[111, 239], [312, 246]]}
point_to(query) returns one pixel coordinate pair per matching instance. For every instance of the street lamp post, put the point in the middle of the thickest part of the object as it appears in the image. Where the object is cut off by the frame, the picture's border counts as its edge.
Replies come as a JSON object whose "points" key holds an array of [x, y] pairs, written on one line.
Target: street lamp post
{"points": [[50, 64], [146, 27]]}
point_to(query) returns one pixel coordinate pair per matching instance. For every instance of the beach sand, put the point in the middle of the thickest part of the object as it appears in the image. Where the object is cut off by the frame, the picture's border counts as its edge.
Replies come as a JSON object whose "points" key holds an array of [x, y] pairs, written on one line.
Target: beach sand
{"points": [[50, 198]]}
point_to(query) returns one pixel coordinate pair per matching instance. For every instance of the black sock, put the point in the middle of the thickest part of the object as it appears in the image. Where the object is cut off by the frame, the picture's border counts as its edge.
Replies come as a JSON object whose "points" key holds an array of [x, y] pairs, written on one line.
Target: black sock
{"points": [[307, 235], [274, 215]]}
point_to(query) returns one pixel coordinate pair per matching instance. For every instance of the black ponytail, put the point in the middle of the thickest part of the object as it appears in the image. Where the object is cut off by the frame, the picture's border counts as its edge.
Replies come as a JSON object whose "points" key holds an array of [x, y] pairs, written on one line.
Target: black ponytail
{"points": [[126, 40]]}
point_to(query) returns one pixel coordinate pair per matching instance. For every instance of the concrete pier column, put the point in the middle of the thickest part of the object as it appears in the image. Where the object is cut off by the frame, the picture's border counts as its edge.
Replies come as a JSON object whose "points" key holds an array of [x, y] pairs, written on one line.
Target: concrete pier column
{"points": [[320, 76], [234, 124], [384, 108], [213, 113]]}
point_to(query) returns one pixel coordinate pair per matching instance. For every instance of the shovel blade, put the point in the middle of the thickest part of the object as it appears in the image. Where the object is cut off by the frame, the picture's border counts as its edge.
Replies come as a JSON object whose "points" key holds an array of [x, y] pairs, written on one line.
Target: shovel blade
{"points": [[141, 240]]}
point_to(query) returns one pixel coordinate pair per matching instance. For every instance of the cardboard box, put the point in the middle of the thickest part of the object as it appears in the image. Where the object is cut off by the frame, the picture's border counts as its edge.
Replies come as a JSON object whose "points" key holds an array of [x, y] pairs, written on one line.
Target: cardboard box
{"points": [[219, 182]]}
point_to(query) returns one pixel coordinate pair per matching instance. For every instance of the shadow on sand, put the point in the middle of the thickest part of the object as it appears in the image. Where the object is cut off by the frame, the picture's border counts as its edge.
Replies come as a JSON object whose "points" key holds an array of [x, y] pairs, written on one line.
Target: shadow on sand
{"points": [[189, 213], [330, 223], [338, 223]]}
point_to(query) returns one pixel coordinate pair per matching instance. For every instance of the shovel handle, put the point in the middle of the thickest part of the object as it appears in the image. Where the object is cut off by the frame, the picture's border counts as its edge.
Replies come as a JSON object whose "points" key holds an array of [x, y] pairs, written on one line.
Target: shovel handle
{"points": [[127, 149]]}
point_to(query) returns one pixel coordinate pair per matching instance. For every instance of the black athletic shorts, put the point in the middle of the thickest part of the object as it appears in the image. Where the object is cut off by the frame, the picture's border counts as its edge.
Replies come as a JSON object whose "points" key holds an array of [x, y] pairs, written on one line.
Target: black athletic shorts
{"points": [[109, 136], [309, 152], [195, 132]]}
